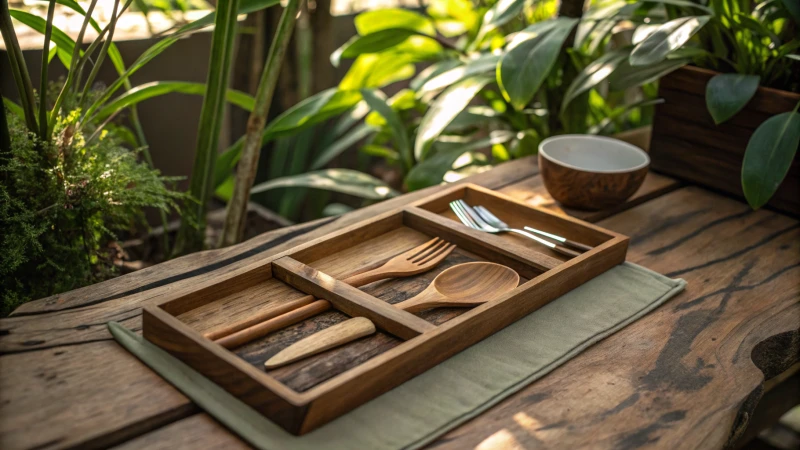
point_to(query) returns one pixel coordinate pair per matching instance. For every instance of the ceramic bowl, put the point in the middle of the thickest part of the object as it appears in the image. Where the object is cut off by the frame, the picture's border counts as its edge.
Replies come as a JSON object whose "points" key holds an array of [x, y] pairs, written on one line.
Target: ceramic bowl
{"points": [[591, 172]]}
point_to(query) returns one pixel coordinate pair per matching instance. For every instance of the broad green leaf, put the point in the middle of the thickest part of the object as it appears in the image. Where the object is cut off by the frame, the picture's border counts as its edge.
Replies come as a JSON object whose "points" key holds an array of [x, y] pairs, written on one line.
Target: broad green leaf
{"points": [[432, 71], [345, 142], [345, 181], [52, 53], [684, 4], [593, 74], [500, 13], [372, 43], [378, 70], [627, 76], [473, 117], [377, 101], [372, 21], [668, 37], [643, 31], [768, 156], [446, 107], [530, 57], [483, 63], [315, 109], [432, 171], [728, 93], [793, 57], [156, 88]]}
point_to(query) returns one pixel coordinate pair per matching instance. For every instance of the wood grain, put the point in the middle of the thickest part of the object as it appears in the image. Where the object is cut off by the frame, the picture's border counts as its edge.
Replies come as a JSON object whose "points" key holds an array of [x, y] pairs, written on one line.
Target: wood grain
{"points": [[57, 371], [329, 338]]}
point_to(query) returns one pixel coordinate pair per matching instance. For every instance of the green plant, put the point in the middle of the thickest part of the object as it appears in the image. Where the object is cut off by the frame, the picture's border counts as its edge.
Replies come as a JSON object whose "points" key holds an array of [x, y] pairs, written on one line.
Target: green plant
{"points": [[67, 181], [503, 75], [61, 202], [753, 43]]}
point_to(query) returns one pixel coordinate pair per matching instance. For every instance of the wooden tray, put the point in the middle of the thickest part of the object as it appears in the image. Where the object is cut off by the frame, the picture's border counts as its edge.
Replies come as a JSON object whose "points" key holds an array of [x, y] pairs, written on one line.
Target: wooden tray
{"points": [[309, 393]]}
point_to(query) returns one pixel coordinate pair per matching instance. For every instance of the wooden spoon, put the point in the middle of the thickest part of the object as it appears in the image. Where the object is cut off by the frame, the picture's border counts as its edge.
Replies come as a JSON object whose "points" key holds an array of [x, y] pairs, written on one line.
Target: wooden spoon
{"points": [[464, 285]]}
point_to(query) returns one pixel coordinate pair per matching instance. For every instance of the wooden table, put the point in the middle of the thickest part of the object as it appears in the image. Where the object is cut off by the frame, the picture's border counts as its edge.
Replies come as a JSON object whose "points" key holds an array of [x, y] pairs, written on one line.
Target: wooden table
{"points": [[690, 374]]}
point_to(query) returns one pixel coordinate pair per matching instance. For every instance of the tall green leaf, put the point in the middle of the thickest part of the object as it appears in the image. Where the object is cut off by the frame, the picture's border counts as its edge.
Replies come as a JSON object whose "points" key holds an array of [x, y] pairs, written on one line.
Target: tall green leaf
{"points": [[627, 76], [372, 43], [346, 181], [156, 88], [48, 31], [530, 57], [768, 156], [593, 74], [313, 110], [382, 19], [191, 235], [500, 13], [377, 101], [483, 63], [728, 93], [19, 70], [345, 142], [446, 107], [668, 37], [432, 171]]}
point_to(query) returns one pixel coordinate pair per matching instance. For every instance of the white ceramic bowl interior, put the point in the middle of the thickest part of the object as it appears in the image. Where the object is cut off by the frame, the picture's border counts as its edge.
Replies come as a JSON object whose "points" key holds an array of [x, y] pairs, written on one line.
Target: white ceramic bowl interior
{"points": [[593, 153]]}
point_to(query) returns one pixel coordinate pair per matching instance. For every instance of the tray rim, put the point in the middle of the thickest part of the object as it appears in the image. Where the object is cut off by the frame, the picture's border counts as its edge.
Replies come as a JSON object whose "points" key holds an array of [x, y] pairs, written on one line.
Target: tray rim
{"points": [[166, 310]]}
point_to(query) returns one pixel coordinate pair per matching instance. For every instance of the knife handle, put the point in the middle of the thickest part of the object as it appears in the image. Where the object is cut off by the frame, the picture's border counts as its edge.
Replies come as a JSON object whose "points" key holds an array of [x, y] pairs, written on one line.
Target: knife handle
{"points": [[331, 337]]}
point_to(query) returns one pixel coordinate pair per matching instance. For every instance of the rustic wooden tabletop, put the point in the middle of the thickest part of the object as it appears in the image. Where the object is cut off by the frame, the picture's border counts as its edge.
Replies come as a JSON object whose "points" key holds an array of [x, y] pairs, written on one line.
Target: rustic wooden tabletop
{"points": [[690, 374]]}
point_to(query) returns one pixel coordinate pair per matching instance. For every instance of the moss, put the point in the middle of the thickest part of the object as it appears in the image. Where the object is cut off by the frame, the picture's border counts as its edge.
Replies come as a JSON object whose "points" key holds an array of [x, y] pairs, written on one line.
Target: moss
{"points": [[61, 203]]}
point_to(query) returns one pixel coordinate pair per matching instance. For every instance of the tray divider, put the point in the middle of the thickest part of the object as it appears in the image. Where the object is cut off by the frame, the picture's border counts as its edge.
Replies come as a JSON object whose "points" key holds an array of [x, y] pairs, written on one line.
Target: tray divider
{"points": [[487, 245], [350, 300]]}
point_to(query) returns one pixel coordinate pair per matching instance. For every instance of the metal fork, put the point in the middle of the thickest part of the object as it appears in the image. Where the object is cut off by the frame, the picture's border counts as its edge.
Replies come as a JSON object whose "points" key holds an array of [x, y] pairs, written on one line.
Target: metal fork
{"points": [[495, 221], [472, 219]]}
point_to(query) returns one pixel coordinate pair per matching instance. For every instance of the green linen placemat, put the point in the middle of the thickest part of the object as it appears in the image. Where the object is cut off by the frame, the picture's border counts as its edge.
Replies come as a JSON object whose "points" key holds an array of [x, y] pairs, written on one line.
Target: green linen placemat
{"points": [[454, 391]]}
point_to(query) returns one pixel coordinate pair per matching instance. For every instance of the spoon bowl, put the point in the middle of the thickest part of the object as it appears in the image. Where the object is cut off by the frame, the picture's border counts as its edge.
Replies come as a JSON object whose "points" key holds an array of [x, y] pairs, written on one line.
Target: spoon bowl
{"points": [[464, 285]]}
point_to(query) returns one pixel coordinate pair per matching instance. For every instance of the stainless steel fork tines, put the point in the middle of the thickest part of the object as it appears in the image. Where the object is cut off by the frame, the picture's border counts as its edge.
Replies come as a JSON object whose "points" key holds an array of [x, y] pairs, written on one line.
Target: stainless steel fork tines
{"points": [[472, 219]]}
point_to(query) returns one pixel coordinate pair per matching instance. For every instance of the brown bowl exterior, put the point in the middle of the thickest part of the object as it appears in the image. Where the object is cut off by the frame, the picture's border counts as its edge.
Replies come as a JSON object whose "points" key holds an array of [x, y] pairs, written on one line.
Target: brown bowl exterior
{"points": [[588, 190]]}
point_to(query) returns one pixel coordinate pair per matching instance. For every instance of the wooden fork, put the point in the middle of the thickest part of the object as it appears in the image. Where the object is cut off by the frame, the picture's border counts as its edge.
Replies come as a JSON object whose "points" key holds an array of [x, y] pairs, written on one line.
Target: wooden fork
{"points": [[417, 260]]}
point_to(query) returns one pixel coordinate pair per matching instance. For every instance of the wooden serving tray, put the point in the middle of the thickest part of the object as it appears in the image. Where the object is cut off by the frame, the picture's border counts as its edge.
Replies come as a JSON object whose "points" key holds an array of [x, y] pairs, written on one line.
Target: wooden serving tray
{"points": [[306, 394]]}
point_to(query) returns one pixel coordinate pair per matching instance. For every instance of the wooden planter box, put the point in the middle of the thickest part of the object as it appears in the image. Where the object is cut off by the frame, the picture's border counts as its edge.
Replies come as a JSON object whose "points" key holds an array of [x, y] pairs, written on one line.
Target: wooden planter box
{"points": [[687, 144]]}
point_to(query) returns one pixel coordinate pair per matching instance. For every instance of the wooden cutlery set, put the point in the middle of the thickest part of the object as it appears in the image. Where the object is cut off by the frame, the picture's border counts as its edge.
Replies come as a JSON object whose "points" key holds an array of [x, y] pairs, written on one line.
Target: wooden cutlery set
{"points": [[207, 325]]}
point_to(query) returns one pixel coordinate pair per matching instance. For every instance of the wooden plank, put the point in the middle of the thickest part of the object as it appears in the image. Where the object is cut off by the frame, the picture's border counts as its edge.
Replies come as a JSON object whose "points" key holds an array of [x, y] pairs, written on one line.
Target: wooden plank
{"points": [[63, 417], [681, 375], [350, 300]]}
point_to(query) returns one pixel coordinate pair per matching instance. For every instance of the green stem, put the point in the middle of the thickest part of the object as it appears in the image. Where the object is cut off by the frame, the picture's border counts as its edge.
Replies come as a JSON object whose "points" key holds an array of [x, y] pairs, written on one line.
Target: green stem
{"points": [[76, 53], [48, 31], [191, 234], [18, 67], [248, 164], [103, 51]]}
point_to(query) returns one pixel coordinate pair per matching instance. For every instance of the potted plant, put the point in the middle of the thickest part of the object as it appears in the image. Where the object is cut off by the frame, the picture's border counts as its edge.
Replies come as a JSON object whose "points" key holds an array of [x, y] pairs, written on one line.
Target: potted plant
{"points": [[729, 120]]}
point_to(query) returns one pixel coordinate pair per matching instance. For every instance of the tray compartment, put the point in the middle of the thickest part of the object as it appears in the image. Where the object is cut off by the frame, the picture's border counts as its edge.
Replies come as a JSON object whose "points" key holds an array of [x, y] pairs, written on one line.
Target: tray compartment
{"points": [[321, 391], [350, 300]]}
